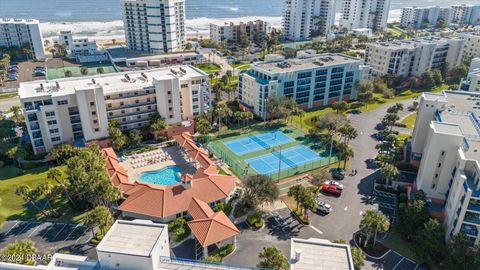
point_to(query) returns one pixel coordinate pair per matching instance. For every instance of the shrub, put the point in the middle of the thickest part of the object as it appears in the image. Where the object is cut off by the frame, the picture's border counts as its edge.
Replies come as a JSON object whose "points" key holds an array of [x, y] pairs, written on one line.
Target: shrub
{"points": [[255, 220], [223, 251], [403, 198], [213, 259], [179, 229], [226, 208], [29, 165]]}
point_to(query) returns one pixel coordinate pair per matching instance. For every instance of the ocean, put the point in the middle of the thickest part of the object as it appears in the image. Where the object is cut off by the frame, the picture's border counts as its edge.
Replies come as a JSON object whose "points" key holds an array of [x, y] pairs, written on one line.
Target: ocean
{"points": [[102, 18]]}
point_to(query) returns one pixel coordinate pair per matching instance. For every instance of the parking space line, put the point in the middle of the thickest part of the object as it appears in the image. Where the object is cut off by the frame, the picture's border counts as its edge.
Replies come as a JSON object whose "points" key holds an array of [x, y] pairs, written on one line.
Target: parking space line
{"points": [[403, 258], [315, 229], [28, 225], [71, 232], [33, 231], [12, 227], [60, 231], [49, 228], [83, 234]]}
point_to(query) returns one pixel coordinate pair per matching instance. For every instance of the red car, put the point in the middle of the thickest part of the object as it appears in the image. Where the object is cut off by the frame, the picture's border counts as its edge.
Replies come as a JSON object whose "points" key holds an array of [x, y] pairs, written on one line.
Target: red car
{"points": [[332, 189]]}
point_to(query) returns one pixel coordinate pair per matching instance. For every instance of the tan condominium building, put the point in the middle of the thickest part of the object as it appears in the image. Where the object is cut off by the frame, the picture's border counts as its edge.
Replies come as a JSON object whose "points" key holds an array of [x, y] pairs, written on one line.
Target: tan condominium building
{"points": [[76, 110], [472, 45], [253, 30], [414, 57]]}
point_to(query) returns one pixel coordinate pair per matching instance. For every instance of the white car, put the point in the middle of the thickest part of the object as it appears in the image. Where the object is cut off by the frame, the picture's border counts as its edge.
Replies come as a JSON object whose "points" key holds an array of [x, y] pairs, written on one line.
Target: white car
{"points": [[323, 207], [336, 183]]}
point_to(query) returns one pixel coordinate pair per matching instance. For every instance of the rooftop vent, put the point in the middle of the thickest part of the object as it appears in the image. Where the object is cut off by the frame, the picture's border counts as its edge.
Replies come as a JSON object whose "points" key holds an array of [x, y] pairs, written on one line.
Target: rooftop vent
{"points": [[93, 81], [127, 77], [41, 87], [173, 71], [144, 76], [183, 70], [57, 84]]}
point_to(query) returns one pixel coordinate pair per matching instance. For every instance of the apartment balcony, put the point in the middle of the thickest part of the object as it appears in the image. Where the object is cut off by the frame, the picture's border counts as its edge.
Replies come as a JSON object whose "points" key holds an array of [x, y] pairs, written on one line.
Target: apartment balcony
{"points": [[472, 218], [470, 184], [132, 114], [473, 207], [135, 121], [116, 108], [469, 230]]}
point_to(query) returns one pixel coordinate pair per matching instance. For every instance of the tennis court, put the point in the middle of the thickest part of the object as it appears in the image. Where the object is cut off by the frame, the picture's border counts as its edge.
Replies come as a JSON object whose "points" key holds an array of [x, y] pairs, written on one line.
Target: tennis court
{"points": [[257, 142], [290, 158]]}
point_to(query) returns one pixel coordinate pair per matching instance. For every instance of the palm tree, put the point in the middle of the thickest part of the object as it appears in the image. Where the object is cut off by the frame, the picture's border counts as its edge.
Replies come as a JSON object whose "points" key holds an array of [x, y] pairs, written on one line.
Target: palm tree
{"points": [[295, 192], [389, 172], [238, 115], [348, 132], [16, 110], [390, 119], [25, 192], [247, 116], [347, 153], [222, 111], [99, 217], [45, 190], [300, 113], [56, 174], [307, 202], [373, 222]]}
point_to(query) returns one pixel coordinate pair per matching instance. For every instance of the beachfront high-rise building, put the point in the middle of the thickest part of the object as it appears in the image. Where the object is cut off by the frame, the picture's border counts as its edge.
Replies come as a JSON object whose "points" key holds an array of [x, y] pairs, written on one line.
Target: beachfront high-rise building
{"points": [[154, 26], [472, 81], [423, 17], [466, 14], [414, 57], [21, 32], [371, 14], [312, 80], [446, 146], [234, 32], [304, 19], [75, 110], [472, 45]]}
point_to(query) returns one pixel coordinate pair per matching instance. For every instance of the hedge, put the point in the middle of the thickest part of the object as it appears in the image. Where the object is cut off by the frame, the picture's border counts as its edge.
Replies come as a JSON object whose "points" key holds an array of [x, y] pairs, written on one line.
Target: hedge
{"points": [[255, 220]]}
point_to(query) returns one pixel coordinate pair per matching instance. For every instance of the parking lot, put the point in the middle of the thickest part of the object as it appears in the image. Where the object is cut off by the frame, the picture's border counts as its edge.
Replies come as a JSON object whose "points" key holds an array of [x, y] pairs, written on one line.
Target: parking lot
{"points": [[25, 73], [391, 261], [48, 237]]}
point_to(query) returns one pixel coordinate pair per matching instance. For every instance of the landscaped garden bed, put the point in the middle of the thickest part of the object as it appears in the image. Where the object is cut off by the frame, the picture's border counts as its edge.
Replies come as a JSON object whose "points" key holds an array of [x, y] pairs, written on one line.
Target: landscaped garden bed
{"points": [[255, 221]]}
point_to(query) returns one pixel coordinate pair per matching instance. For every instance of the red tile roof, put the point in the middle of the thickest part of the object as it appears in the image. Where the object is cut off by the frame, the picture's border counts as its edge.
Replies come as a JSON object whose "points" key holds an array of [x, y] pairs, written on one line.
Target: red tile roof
{"points": [[207, 226], [164, 201]]}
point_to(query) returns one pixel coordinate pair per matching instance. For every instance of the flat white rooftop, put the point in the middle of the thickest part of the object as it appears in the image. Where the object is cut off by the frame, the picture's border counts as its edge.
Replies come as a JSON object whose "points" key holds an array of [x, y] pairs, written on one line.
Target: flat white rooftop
{"points": [[137, 237], [320, 254], [14, 21], [111, 83], [326, 59]]}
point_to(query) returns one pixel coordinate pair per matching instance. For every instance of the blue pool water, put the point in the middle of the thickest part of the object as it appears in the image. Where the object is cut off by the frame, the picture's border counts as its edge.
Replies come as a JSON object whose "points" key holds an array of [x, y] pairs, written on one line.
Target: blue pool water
{"points": [[167, 176]]}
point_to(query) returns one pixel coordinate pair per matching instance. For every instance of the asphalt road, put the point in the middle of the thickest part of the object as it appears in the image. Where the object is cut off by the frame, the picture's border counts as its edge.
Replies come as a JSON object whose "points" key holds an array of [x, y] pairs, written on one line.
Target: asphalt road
{"points": [[6, 104]]}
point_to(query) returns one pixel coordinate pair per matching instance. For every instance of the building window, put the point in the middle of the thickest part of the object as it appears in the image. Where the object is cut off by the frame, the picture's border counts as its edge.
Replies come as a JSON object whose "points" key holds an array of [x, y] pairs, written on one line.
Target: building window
{"points": [[55, 139], [94, 113], [97, 129], [52, 122], [439, 165], [62, 102], [121, 103], [92, 103], [95, 121], [49, 114], [436, 175], [53, 130], [443, 153]]}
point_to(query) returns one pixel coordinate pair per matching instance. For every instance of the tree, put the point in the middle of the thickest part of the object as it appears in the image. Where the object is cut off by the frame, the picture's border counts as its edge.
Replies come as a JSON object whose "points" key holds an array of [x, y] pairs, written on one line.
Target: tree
{"points": [[429, 240], [134, 138], [119, 140], [203, 126], [100, 70], [56, 174], [364, 86], [26, 193], [358, 257], [157, 122], [460, 253], [63, 152], [296, 192], [19, 252], [389, 172], [373, 222], [428, 80], [437, 77], [307, 202], [188, 46], [273, 258], [99, 217], [259, 189], [68, 73], [17, 111], [390, 119], [340, 106], [84, 71], [411, 218], [222, 111], [45, 190], [457, 73]]}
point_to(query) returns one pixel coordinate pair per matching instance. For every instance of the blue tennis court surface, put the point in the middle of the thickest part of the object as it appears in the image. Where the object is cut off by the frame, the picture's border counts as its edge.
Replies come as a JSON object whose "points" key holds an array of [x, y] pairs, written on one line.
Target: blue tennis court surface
{"points": [[257, 142], [291, 158]]}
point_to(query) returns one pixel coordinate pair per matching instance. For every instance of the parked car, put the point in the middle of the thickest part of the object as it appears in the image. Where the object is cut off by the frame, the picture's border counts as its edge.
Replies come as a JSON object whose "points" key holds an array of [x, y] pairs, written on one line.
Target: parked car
{"points": [[355, 112], [335, 183], [332, 189], [337, 173], [381, 126], [323, 207], [379, 136]]}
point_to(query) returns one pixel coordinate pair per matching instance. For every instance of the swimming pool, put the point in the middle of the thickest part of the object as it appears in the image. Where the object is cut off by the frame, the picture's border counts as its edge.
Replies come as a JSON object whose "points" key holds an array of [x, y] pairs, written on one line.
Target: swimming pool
{"points": [[167, 176]]}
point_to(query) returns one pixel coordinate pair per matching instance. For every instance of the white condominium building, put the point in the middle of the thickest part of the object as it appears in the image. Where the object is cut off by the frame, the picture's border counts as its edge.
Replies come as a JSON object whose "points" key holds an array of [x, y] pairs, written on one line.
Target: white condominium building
{"points": [[446, 142], [234, 32], [313, 82], [154, 26], [371, 14], [76, 110], [472, 45], [423, 17], [414, 57], [304, 19], [466, 14], [472, 82], [76, 46], [19, 33]]}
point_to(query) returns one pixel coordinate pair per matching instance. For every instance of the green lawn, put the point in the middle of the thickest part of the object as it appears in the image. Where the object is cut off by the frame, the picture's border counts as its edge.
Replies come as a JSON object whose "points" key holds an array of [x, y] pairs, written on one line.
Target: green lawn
{"points": [[410, 120], [241, 66], [8, 95], [209, 68], [57, 73], [13, 207]]}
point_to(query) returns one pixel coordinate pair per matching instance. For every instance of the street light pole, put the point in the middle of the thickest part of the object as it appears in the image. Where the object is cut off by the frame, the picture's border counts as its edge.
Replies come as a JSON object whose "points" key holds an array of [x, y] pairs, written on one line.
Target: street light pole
{"points": [[331, 147]]}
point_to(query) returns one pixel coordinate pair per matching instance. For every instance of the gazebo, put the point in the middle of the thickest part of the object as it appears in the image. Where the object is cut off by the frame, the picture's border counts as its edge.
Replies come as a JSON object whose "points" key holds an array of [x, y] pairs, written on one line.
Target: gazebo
{"points": [[209, 228]]}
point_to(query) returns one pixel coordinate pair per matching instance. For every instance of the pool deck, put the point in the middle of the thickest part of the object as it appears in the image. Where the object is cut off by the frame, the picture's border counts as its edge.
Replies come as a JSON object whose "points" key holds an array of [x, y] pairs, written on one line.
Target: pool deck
{"points": [[176, 159]]}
